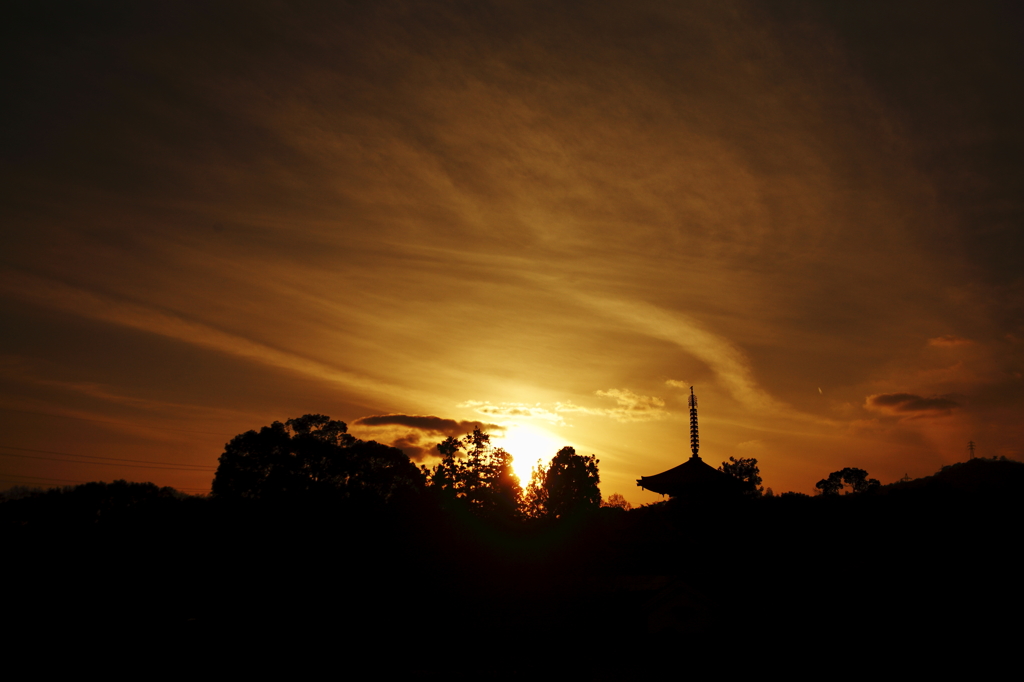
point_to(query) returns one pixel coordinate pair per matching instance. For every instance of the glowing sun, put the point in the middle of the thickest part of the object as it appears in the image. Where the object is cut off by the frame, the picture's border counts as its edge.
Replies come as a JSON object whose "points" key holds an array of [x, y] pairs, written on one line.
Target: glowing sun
{"points": [[527, 443]]}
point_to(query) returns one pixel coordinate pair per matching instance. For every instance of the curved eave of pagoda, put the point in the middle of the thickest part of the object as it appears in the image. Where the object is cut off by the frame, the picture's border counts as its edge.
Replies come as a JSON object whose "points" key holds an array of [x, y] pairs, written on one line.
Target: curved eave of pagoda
{"points": [[691, 476]]}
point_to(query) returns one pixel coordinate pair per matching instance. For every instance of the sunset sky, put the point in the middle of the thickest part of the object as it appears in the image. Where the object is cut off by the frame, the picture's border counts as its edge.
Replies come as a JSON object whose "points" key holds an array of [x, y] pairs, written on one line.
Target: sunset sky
{"points": [[547, 218]]}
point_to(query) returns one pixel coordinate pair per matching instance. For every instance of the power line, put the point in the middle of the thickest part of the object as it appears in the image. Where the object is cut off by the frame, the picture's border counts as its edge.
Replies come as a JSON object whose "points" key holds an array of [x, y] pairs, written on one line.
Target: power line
{"points": [[13, 478], [108, 421], [144, 463], [108, 464]]}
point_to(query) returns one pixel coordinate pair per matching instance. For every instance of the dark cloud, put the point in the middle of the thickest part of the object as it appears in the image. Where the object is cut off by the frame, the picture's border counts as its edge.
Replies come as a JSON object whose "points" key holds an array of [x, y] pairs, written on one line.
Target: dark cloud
{"points": [[421, 444], [908, 403], [430, 424], [411, 445]]}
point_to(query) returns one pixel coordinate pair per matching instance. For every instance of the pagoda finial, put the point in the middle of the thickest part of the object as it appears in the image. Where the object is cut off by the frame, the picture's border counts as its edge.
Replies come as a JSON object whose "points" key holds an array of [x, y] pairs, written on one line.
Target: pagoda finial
{"points": [[694, 439]]}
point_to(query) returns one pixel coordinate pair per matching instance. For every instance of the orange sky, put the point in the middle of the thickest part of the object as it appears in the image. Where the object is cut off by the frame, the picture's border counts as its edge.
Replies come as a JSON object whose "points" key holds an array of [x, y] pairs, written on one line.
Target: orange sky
{"points": [[551, 215]]}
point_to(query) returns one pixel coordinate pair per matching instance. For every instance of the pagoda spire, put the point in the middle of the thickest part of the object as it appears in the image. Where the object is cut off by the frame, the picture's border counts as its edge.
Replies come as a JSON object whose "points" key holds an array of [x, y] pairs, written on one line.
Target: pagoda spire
{"points": [[694, 479], [694, 439]]}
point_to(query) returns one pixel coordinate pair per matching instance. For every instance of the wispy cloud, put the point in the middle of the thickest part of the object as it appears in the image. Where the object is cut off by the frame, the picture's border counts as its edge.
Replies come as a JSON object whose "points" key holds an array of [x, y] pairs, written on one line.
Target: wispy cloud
{"points": [[949, 341], [630, 407], [730, 365], [89, 304], [511, 410], [910, 405]]}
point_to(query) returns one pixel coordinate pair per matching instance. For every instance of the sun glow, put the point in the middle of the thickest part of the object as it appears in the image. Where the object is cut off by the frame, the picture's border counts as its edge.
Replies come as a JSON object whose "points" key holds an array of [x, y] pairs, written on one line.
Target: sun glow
{"points": [[527, 444]]}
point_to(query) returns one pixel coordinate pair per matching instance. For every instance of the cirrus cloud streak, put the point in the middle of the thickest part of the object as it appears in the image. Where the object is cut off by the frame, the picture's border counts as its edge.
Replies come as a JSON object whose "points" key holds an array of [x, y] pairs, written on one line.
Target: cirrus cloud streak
{"points": [[911, 405]]}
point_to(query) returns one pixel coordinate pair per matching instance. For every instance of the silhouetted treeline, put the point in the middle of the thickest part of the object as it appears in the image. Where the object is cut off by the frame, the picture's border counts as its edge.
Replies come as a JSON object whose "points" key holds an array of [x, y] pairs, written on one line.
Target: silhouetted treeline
{"points": [[908, 565]]}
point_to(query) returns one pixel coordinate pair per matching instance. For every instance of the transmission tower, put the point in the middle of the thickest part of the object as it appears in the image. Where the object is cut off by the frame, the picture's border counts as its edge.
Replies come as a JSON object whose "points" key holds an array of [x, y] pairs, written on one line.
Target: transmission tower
{"points": [[970, 447]]}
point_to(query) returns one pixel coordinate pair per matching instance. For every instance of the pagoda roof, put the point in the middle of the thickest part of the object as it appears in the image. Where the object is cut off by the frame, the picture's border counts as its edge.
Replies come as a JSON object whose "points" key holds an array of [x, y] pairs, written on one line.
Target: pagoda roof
{"points": [[692, 478]]}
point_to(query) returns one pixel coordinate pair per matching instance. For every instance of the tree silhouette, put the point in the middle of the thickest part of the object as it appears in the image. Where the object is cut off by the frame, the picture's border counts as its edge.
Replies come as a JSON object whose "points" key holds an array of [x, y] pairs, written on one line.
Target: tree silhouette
{"points": [[831, 485], [857, 479], [746, 470], [477, 474], [308, 458], [617, 501], [569, 485], [535, 498]]}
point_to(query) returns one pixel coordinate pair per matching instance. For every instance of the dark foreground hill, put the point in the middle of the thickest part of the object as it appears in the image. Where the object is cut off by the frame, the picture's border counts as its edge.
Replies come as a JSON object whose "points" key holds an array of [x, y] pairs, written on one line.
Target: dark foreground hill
{"points": [[976, 478], [423, 588]]}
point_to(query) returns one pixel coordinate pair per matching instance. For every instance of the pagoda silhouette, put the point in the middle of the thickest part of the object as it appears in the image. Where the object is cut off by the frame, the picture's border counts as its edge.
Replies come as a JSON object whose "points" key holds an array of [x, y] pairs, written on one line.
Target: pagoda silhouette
{"points": [[694, 478]]}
